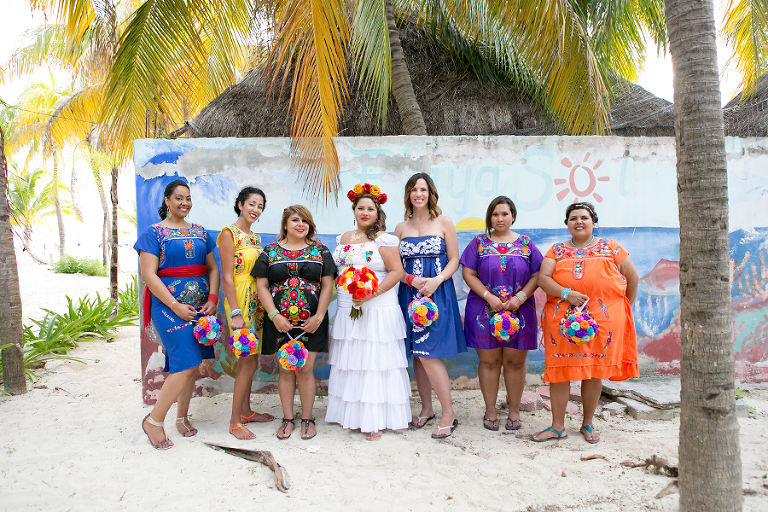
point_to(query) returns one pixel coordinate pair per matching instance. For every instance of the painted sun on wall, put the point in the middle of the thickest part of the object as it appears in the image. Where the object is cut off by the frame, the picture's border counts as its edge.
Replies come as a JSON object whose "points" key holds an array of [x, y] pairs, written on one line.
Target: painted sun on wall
{"points": [[632, 182]]}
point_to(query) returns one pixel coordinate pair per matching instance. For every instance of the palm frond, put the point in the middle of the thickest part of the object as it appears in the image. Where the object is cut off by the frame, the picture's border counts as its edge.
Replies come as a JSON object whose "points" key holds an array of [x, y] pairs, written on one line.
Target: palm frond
{"points": [[745, 28], [372, 55], [312, 40], [76, 15]]}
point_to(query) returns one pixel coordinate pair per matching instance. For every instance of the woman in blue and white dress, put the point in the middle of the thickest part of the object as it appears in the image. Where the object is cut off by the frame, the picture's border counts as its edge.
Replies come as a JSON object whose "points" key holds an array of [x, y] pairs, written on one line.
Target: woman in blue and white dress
{"points": [[368, 387], [429, 250]]}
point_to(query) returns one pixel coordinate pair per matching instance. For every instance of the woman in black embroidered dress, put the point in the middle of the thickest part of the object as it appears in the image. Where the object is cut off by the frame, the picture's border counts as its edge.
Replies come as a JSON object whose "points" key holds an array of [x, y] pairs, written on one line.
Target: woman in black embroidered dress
{"points": [[295, 281]]}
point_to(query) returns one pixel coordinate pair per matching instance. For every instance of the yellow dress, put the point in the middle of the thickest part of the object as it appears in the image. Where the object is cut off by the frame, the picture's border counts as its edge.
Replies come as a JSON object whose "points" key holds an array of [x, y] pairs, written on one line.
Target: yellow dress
{"points": [[247, 250]]}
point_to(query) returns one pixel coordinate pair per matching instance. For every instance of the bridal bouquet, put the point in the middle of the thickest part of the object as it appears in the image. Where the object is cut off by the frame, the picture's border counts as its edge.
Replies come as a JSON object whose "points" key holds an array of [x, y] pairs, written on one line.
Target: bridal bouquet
{"points": [[360, 282]]}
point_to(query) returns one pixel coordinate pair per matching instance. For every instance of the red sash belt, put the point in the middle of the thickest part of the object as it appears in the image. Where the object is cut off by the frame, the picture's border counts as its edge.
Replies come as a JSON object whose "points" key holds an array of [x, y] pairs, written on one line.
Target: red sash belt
{"points": [[185, 271]]}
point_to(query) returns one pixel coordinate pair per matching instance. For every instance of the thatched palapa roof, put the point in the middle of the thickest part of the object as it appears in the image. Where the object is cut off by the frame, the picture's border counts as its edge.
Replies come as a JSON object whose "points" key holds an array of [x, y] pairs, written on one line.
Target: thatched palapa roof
{"points": [[751, 118]]}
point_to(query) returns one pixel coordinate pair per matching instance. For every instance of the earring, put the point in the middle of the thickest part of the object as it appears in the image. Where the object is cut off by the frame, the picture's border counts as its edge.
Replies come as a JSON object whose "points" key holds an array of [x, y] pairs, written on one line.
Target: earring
{"points": [[354, 222], [241, 214]]}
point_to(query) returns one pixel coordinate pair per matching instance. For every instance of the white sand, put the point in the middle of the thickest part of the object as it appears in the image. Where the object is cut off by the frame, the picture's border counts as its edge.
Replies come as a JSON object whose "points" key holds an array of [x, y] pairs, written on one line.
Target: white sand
{"points": [[74, 442]]}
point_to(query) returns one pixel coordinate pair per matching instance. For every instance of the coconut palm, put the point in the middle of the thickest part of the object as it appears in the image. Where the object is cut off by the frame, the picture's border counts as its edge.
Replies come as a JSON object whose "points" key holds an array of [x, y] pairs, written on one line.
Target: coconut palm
{"points": [[710, 463], [31, 201], [745, 28]]}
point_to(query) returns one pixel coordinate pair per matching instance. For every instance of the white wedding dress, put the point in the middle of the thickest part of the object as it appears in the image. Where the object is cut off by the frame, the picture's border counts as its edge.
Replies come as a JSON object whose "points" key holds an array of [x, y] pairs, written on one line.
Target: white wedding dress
{"points": [[368, 387]]}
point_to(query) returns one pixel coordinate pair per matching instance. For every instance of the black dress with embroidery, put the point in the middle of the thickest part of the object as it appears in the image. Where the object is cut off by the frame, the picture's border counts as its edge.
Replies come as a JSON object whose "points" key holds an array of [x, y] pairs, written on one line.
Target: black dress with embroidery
{"points": [[294, 283]]}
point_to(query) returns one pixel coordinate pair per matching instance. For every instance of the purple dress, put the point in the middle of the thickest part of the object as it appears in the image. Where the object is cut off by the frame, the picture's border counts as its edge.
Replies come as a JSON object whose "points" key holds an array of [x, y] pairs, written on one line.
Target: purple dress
{"points": [[504, 268]]}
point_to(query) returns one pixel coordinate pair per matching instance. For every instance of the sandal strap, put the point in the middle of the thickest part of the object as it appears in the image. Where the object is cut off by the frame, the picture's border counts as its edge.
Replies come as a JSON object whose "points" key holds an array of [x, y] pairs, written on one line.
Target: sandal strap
{"points": [[311, 420], [182, 419], [239, 425], [154, 422]]}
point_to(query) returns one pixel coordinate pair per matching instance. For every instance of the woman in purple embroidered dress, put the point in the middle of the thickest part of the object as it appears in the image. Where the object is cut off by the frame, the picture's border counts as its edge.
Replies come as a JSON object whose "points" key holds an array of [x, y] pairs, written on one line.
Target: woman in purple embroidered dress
{"points": [[501, 268]]}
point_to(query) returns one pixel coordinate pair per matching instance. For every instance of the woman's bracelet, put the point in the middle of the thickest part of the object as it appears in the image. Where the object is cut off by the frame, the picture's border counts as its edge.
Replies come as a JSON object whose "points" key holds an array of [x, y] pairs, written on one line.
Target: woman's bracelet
{"points": [[272, 314], [485, 293], [521, 296], [212, 297], [172, 303], [441, 277], [236, 312], [564, 294], [409, 279]]}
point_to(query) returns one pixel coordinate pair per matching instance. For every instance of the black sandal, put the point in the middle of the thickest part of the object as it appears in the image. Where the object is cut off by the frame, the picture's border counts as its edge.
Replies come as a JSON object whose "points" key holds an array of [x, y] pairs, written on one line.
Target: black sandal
{"points": [[286, 421], [306, 428]]}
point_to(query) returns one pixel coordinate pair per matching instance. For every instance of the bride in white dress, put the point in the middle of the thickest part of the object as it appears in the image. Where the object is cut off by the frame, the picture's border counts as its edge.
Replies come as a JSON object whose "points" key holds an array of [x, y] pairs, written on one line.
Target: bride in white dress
{"points": [[369, 388]]}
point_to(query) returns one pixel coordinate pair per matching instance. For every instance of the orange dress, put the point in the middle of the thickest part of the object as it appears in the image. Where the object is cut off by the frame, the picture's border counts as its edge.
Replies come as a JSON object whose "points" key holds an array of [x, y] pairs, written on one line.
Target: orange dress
{"points": [[612, 353]]}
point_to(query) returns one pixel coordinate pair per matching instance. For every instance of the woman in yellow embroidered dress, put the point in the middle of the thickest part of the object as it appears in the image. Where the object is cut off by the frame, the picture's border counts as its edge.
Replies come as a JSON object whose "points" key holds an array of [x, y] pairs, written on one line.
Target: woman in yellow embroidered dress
{"points": [[239, 248], [596, 274]]}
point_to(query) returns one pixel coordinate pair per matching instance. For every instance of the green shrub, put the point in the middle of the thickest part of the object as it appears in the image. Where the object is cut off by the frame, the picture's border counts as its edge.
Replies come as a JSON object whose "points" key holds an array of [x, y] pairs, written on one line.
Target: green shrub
{"points": [[72, 265], [128, 299], [56, 334]]}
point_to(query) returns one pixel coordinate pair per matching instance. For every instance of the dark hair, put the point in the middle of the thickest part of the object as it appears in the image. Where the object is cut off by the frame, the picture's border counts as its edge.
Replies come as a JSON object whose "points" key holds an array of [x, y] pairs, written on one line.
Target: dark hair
{"points": [[434, 210], [491, 207], [306, 216], [381, 217], [169, 189], [581, 206], [245, 194]]}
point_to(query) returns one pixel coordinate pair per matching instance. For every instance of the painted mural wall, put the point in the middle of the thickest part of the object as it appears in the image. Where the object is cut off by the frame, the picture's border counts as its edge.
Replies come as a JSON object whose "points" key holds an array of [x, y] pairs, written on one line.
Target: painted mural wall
{"points": [[632, 182]]}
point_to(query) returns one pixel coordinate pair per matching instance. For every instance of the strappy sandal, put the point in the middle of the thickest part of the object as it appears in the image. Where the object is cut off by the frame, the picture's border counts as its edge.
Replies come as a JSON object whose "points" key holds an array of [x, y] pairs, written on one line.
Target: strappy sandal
{"points": [[159, 446], [443, 436], [184, 420], [250, 434], [559, 433], [305, 425], [419, 424], [285, 423], [247, 419]]}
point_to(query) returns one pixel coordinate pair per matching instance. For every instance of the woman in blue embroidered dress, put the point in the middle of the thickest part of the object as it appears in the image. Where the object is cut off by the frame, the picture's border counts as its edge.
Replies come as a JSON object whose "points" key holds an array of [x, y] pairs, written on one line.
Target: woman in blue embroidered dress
{"points": [[179, 269], [501, 269], [238, 249], [295, 280], [429, 249]]}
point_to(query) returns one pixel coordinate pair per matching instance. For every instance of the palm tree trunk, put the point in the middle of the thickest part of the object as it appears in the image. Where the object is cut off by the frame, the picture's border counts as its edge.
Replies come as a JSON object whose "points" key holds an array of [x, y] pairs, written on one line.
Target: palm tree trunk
{"points": [[57, 204], [402, 87], [14, 380], [113, 247], [710, 463]]}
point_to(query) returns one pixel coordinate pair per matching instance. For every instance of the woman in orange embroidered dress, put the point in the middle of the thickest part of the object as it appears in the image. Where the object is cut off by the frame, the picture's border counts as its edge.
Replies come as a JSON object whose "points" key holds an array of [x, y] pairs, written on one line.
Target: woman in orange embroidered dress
{"points": [[597, 275]]}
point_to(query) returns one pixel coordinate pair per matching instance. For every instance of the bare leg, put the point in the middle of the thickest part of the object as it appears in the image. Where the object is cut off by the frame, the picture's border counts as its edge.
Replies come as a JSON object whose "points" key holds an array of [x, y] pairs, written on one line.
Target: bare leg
{"points": [[286, 388], [559, 393], [438, 379], [514, 380], [306, 379], [183, 425], [241, 396], [590, 395], [488, 373], [424, 388], [172, 388]]}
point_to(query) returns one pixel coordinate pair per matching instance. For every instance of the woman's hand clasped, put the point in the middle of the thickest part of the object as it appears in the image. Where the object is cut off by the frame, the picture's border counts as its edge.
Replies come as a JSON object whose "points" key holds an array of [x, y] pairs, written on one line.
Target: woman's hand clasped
{"points": [[312, 323], [494, 302], [209, 308], [576, 298], [429, 285], [238, 322], [184, 311], [512, 304], [282, 324]]}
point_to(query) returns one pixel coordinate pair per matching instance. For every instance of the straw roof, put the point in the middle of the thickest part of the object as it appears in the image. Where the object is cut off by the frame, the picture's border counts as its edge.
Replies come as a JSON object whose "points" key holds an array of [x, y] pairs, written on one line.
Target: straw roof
{"points": [[751, 118]]}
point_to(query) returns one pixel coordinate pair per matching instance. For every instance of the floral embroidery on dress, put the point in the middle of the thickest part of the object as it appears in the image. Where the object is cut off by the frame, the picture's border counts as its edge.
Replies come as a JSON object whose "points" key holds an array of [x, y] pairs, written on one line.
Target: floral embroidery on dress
{"points": [[187, 235], [432, 246], [608, 341], [578, 269], [604, 308], [293, 303], [601, 248]]}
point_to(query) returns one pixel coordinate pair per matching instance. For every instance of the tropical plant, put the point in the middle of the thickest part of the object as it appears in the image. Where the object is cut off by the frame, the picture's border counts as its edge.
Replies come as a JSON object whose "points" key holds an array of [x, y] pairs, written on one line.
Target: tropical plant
{"points": [[73, 265], [745, 29], [129, 299], [710, 463], [31, 201]]}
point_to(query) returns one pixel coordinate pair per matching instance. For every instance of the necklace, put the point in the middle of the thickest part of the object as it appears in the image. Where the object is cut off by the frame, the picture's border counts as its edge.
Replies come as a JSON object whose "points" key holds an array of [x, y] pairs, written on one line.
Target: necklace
{"points": [[356, 236], [582, 246]]}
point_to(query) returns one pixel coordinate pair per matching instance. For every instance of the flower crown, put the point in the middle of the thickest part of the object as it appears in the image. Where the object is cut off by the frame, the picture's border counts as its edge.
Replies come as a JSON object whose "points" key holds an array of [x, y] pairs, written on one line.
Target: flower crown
{"points": [[367, 188]]}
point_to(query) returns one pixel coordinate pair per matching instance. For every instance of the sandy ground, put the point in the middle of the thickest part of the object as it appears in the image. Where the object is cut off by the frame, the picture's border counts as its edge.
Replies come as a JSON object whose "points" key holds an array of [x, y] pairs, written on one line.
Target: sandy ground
{"points": [[74, 442]]}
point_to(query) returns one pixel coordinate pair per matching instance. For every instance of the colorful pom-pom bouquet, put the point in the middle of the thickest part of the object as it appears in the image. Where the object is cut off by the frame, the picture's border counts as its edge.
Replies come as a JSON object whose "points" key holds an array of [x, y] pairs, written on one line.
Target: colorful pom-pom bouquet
{"points": [[292, 355], [360, 282], [578, 327], [207, 330], [505, 325], [243, 342], [422, 311]]}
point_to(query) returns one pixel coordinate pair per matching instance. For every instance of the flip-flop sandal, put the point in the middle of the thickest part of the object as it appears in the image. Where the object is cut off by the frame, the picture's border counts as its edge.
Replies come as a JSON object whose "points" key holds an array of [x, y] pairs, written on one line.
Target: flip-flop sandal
{"points": [[443, 436], [152, 422], [589, 429], [240, 426], [184, 420], [550, 429], [305, 424], [491, 424], [419, 424], [286, 421], [247, 419], [513, 424]]}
